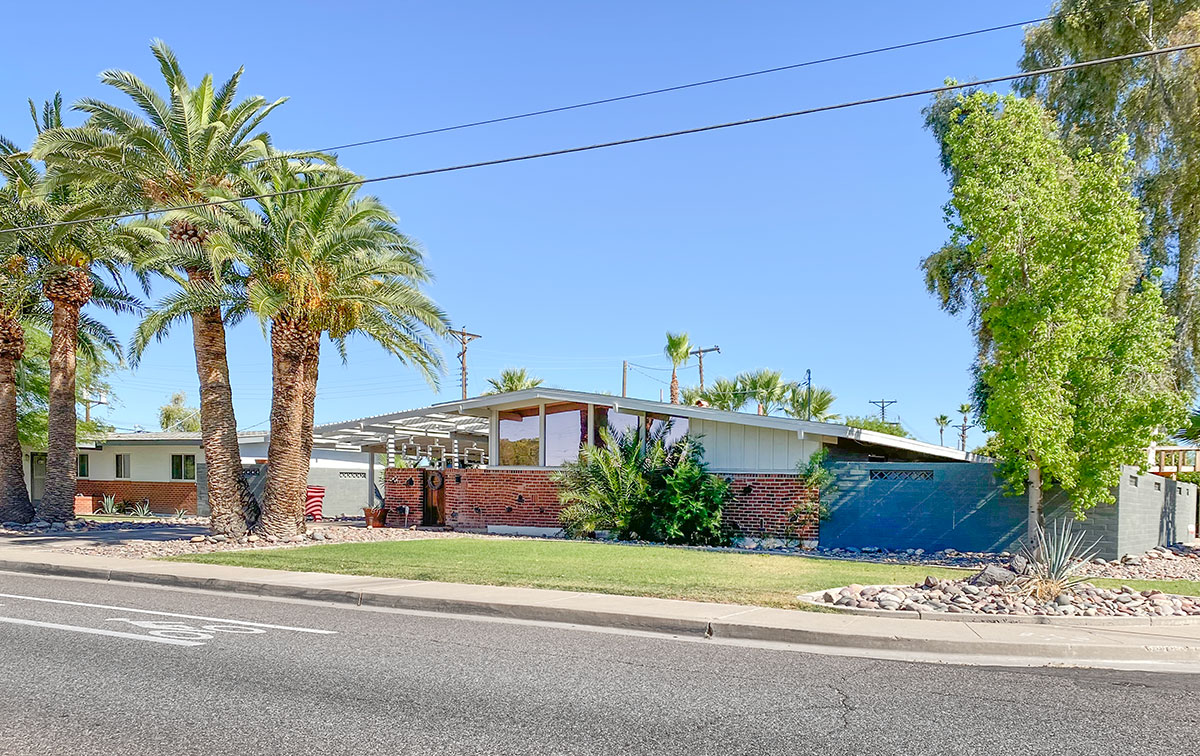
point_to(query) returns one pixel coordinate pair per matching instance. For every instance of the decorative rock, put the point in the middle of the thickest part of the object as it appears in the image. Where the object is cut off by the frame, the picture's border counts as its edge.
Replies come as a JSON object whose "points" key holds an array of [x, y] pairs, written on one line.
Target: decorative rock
{"points": [[198, 539], [1019, 564], [772, 543], [252, 538], [992, 575]]}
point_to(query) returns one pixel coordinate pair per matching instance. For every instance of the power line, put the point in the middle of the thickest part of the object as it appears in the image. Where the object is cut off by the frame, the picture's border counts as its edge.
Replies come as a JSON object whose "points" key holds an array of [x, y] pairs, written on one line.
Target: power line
{"points": [[695, 84], [628, 141]]}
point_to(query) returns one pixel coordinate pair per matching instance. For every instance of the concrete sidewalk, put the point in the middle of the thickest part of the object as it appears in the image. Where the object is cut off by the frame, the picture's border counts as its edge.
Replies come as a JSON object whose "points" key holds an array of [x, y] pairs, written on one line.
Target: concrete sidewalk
{"points": [[1174, 647]]}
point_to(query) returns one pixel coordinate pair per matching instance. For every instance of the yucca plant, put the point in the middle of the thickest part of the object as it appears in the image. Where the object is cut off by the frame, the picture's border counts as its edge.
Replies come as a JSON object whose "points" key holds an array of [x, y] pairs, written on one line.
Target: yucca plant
{"points": [[141, 510], [1055, 556], [180, 514]]}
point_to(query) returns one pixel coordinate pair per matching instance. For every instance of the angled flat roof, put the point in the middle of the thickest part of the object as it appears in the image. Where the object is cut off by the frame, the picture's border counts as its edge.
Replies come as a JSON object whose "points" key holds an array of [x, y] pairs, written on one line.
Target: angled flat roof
{"points": [[470, 417]]}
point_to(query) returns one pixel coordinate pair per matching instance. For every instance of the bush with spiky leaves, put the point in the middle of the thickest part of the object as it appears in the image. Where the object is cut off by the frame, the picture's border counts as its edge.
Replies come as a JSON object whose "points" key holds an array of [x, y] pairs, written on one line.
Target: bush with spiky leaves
{"points": [[1055, 556]]}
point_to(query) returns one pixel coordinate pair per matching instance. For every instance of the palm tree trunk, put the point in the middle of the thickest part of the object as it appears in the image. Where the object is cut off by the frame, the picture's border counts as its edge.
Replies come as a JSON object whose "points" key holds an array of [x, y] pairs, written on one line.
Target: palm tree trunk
{"points": [[674, 387], [14, 496], [232, 506], [58, 498], [287, 467]]}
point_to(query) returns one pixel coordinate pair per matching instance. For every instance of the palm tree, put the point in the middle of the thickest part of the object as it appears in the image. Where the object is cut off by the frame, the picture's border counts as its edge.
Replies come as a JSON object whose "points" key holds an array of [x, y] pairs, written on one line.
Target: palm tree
{"points": [[17, 291], [678, 348], [725, 394], [321, 261], [767, 388], [811, 403], [68, 261], [943, 422], [512, 379], [175, 149]]}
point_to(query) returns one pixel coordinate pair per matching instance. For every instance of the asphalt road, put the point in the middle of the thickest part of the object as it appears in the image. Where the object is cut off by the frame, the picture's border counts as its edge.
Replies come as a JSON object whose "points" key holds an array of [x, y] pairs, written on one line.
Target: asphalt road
{"points": [[77, 678]]}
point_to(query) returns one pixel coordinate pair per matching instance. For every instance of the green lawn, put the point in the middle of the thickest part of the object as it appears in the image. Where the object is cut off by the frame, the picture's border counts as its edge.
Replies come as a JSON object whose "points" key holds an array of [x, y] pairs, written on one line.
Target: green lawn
{"points": [[581, 566]]}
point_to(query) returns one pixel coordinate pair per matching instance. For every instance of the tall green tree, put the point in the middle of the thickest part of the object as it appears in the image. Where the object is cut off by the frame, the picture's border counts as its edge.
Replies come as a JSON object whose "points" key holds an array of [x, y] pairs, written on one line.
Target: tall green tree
{"points": [[1076, 373], [512, 379], [677, 349], [74, 263], [1153, 101], [723, 394], [766, 388], [176, 415], [176, 148], [321, 261]]}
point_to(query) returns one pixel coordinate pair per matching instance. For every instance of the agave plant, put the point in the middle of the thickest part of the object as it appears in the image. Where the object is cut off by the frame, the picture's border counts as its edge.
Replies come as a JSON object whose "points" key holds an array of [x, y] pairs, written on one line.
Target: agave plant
{"points": [[108, 505], [180, 514], [141, 510], [1055, 556]]}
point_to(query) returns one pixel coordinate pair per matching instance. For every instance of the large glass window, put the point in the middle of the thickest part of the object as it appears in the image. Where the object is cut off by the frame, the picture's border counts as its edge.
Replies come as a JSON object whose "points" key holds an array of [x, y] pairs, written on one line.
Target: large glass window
{"points": [[566, 432], [519, 431], [122, 466], [671, 428], [82, 466], [616, 422]]}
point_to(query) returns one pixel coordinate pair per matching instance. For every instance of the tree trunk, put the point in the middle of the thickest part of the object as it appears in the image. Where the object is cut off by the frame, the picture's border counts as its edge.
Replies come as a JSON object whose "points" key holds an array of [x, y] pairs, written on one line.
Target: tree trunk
{"points": [[288, 454], [1035, 503], [232, 505], [15, 505], [58, 497], [674, 387]]}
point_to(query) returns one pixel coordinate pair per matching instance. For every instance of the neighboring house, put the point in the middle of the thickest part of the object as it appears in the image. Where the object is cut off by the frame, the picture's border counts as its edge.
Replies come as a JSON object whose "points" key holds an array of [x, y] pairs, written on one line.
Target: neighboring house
{"points": [[164, 468], [500, 451]]}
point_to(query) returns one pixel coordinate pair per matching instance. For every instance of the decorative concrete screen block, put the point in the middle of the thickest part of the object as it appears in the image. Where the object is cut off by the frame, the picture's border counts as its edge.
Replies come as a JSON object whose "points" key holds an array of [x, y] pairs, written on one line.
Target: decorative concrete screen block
{"points": [[902, 475]]}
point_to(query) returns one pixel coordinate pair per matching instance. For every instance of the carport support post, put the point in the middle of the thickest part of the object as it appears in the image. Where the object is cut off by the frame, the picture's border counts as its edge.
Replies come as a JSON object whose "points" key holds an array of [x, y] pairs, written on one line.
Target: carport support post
{"points": [[371, 480]]}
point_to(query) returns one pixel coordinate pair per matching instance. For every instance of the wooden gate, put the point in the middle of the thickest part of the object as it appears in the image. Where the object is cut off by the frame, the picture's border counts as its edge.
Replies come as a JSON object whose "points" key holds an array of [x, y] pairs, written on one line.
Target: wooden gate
{"points": [[434, 499]]}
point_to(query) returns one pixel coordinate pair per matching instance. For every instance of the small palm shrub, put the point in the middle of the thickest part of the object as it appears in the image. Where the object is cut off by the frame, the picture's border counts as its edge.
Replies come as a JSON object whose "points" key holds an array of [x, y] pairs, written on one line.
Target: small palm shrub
{"points": [[653, 491], [1055, 556], [604, 485]]}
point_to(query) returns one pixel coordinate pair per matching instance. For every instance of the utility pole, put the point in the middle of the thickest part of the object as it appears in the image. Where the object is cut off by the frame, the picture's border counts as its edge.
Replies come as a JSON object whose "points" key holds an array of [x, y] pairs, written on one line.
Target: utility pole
{"points": [[87, 406], [964, 427], [464, 338], [624, 377], [808, 394], [700, 356], [883, 404]]}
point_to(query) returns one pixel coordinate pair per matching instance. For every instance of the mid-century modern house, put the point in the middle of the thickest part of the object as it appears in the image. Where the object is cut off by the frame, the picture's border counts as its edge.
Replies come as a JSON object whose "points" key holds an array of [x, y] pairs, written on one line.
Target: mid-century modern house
{"points": [[166, 470], [486, 463]]}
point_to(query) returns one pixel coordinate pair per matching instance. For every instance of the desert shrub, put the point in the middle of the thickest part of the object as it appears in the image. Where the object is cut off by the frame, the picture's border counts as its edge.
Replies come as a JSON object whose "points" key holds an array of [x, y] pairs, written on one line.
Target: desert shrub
{"points": [[684, 501], [1055, 557]]}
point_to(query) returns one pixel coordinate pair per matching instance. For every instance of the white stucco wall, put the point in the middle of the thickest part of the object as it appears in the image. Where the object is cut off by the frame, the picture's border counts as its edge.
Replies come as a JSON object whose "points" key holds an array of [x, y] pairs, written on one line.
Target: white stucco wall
{"points": [[147, 462]]}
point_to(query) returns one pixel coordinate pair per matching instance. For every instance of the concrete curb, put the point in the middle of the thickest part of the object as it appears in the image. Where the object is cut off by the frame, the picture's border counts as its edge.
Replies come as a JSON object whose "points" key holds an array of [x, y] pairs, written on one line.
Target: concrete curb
{"points": [[687, 619]]}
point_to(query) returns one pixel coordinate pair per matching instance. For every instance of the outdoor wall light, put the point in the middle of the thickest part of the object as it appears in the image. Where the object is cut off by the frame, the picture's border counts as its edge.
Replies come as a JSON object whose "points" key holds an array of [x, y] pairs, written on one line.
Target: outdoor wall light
{"points": [[520, 499], [458, 479], [728, 478], [454, 515], [508, 509], [477, 510], [408, 482], [746, 490]]}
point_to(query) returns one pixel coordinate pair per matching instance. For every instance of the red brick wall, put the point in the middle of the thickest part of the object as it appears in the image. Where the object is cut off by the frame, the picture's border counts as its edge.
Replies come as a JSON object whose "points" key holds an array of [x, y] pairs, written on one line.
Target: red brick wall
{"points": [[397, 492], [164, 498], [476, 498], [764, 509]]}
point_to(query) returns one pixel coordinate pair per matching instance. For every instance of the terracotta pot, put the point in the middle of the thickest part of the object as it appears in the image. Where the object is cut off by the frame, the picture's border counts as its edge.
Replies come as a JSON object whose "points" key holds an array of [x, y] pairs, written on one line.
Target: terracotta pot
{"points": [[374, 517]]}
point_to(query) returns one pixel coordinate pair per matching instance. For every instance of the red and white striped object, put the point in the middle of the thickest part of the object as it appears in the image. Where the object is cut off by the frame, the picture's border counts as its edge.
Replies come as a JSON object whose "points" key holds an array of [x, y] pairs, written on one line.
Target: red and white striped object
{"points": [[313, 501]]}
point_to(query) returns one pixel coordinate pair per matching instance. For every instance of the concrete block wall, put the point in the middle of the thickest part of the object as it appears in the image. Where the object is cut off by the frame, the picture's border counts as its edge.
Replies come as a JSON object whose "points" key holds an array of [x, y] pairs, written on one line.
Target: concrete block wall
{"points": [[935, 506]]}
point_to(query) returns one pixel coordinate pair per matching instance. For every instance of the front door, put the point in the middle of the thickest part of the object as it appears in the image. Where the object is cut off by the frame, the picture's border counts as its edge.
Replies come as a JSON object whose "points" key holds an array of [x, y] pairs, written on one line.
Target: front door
{"points": [[435, 498], [37, 475]]}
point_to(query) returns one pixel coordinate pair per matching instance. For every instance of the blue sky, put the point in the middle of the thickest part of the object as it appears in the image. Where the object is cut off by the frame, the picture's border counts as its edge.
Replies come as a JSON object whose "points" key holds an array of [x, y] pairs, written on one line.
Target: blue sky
{"points": [[791, 244]]}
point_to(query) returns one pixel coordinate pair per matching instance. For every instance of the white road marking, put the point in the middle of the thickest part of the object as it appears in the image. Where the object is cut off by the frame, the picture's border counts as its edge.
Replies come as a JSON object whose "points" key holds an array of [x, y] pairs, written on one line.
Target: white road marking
{"points": [[96, 631], [170, 614]]}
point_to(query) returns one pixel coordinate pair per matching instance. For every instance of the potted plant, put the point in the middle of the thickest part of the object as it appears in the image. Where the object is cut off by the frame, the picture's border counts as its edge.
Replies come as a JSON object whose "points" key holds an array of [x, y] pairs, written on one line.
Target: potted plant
{"points": [[375, 516]]}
